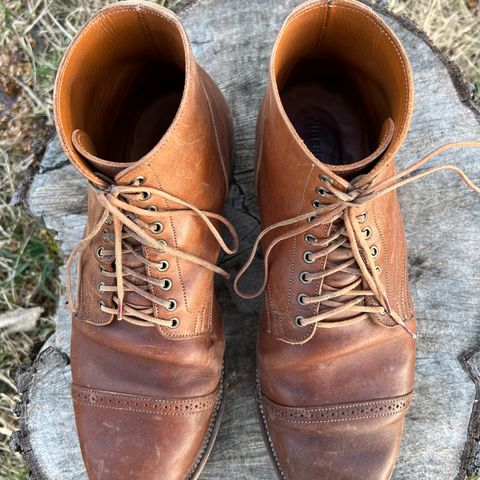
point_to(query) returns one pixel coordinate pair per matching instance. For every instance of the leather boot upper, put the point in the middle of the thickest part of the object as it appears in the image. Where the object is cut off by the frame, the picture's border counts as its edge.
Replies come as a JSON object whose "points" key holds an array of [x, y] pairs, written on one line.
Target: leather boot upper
{"points": [[151, 133], [335, 368]]}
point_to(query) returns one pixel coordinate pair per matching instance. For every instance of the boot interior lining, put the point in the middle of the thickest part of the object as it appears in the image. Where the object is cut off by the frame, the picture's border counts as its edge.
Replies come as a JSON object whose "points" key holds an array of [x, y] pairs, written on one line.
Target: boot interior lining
{"points": [[346, 56], [147, 111], [326, 104], [124, 84]]}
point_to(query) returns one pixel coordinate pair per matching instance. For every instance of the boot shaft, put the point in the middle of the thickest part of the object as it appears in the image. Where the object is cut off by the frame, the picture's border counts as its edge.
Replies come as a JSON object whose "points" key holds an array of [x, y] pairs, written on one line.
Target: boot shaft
{"points": [[133, 108], [337, 107]]}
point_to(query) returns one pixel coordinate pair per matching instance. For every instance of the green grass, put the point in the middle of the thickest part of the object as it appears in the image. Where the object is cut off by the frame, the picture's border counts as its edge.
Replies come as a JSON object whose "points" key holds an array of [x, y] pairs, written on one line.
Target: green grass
{"points": [[29, 268]]}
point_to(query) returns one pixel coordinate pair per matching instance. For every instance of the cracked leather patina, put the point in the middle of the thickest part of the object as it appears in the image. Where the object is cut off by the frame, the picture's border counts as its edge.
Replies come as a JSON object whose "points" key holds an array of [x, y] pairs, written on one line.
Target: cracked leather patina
{"points": [[151, 133]]}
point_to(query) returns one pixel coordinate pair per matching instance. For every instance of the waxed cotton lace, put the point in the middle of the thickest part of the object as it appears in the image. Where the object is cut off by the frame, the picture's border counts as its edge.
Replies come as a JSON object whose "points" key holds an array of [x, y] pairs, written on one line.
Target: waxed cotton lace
{"points": [[347, 232], [115, 200]]}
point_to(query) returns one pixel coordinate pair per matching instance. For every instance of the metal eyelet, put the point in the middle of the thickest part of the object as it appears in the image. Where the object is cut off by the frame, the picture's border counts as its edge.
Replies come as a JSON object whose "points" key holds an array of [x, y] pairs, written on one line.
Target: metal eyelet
{"points": [[156, 227], [99, 287], [101, 304], [175, 322], [298, 321], [108, 221], [137, 181], [307, 257], [325, 179], [100, 252], [311, 219], [310, 239], [301, 299], [106, 236], [172, 305], [163, 266], [362, 218], [303, 278], [374, 250], [152, 208], [316, 203], [146, 196], [321, 191], [167, 284], [163, 243], [367, 231], [383, 313], [102, 270], [378, 268]]}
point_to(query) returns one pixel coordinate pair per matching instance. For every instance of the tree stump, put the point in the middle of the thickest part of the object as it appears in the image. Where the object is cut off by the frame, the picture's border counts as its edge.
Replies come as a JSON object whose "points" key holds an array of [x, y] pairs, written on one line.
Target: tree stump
{"points": [[233, 41]]}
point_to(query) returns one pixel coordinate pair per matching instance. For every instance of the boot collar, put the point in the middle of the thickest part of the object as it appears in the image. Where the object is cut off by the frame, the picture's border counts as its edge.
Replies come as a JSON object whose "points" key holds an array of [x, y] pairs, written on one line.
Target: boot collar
{"points": [[331, 15], [71, 77]]}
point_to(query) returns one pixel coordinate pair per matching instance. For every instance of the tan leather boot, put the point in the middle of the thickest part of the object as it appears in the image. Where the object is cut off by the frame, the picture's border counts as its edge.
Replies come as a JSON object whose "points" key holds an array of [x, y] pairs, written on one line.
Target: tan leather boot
{"points": [[151, 133], [336, 348]]}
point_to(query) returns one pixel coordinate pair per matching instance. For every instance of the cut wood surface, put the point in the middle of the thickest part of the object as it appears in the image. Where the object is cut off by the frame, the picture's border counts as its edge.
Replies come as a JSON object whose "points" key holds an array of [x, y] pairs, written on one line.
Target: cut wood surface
{"points": [[233, 41]]}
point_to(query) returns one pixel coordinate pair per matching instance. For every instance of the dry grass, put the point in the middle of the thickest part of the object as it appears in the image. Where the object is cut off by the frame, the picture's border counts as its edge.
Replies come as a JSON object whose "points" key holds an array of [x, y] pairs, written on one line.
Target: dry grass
{"points": [[453, 26], [33, 35]]}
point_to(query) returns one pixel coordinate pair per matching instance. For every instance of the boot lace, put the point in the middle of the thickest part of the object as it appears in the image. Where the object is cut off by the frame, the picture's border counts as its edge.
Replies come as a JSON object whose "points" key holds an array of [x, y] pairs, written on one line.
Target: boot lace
{"points": [[130, 235], [340, 210]]}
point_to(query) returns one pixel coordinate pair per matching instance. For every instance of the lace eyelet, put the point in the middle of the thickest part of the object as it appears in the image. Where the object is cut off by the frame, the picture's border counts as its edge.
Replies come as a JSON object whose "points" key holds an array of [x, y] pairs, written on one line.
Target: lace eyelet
{"points": [[298, 321], [310, 239], [378, 268], [163, 266], [175, 322], [322, 192], [137, 181], [108, 221], [374, 250], [101, 304], [167, 284], [383, 313], [325, 179], [100, 252], [316, 203], [367, 231], [105, 236], [146, 196], [102, 270], [163, 243], [311, 219], [156, 227], [307, 257], [303, 278], [301, 299], [172, 305], [152, 208], [99, 287], [362, 218]]}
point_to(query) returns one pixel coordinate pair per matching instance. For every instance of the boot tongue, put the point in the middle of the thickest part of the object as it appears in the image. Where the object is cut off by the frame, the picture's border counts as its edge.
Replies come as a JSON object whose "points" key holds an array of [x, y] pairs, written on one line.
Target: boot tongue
{"points": [[86, 148], [353, 169], [339, 280]]}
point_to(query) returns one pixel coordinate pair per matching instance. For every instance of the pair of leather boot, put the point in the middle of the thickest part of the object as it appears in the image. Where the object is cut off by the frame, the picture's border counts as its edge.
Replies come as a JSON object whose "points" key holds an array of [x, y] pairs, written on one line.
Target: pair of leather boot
{"points": [[152, 134]]}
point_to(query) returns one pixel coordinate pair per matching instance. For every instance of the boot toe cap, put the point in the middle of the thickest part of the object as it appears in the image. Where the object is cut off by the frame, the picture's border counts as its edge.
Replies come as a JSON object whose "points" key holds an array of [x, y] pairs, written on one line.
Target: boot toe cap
{"points": [[335, 442], [134, 437]]}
